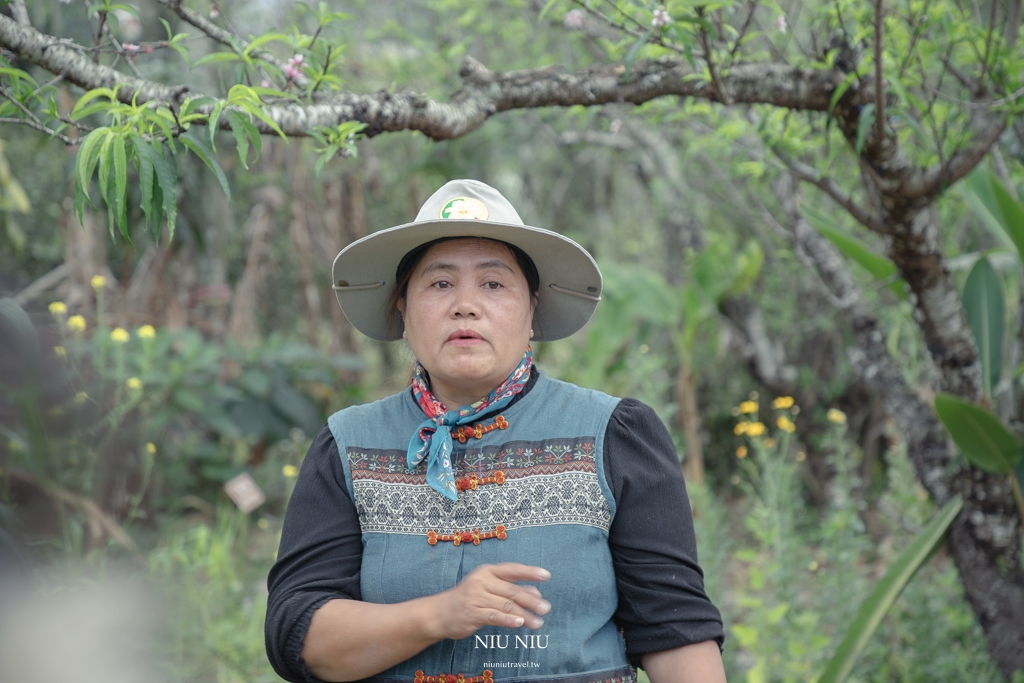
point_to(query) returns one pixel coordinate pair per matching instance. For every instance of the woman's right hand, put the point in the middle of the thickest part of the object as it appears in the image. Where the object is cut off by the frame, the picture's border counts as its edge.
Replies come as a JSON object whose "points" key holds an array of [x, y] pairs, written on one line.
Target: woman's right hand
{"points": [[489, 596]]}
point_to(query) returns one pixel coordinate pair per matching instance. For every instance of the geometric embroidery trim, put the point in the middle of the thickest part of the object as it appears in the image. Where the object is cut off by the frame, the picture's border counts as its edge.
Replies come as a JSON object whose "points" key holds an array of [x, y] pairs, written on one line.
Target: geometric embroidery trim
{"points": [[517, 458], [542, 500]]}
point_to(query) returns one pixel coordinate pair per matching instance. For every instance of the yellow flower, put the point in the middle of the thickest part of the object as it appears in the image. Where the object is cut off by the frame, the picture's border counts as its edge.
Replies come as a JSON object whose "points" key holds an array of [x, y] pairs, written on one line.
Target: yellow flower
{"points": [[812, 566], [60, 351], [801, 456], [151, 448], [81, 397], [119, 335], [782, 402], [785, 424], [740, 428], [76, 323], [741, 452], [146, 332], [98, 281], [748, 407], [290, 471], [134, 383], [755, 428], [58, 308], [836, 416]]}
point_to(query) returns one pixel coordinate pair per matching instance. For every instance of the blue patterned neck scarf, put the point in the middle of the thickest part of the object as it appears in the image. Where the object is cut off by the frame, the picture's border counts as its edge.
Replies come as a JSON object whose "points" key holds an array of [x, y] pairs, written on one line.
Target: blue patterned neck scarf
{"points": [[433, 438]]}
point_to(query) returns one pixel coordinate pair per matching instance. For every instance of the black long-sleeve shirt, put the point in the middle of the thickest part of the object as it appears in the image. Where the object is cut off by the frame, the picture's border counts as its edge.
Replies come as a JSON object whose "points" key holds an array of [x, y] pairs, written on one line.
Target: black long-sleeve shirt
{"points": [[662, 603]]}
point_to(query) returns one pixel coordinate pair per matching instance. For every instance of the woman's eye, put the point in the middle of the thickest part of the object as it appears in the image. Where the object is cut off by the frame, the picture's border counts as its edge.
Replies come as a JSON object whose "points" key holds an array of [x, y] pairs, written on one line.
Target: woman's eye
{"points": [[442, 284], [492, 285]]}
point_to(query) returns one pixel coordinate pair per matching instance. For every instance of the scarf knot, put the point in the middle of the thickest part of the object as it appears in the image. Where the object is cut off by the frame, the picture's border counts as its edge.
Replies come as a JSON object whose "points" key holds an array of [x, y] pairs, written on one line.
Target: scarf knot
{"points": [[433, 438]]}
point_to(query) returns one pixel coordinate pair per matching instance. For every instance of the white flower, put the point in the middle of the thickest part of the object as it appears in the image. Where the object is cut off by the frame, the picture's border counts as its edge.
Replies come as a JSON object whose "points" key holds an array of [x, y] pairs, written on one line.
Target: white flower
{"points": [[573, 20], [780, 24], [615, 126], [661, 17]]}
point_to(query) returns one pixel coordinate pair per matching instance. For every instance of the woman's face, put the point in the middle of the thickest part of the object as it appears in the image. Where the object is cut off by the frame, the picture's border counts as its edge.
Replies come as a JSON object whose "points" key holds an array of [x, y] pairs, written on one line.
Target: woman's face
{"points": [[467, 314]]}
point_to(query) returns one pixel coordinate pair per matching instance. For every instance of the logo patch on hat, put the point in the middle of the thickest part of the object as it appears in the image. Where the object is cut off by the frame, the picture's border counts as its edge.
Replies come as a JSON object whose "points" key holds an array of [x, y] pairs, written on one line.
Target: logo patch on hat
{"points": [[465, 208]]}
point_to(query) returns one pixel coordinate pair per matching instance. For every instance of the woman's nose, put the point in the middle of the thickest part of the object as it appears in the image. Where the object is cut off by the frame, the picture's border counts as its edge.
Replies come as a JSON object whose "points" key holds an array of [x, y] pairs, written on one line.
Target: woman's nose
{"points": [[465, 304]]}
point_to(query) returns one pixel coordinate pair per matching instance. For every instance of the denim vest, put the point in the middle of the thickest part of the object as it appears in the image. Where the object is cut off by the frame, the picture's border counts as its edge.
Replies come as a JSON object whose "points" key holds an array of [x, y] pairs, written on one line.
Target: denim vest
{"points": [[533, 491]]}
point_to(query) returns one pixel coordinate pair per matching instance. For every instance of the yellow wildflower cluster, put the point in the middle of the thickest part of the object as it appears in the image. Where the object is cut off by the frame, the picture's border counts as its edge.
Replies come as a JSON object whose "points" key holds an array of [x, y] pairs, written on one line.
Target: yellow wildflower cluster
{"points": [[58, 308], [98, 282], [134, 383], [119, 335], [290, 471], [741, 452], [836, 416], [76, 323], [748, 407], [783, 402], [785, 424], [146, 332]]}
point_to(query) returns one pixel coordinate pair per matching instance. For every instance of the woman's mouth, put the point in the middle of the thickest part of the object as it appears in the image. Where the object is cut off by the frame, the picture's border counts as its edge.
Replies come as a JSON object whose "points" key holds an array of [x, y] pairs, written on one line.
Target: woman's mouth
{"points": [[464, 337]]}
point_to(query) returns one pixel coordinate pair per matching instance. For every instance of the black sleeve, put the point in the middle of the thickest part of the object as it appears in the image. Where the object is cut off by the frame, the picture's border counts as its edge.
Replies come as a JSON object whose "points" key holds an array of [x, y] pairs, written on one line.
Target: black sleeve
{"points": [[319, 558], [662, 603]]}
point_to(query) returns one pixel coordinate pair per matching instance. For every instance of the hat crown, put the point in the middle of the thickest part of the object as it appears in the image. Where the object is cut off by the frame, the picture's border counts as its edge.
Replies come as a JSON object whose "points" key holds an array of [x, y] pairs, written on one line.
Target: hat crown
{"points": [[496, 209]]}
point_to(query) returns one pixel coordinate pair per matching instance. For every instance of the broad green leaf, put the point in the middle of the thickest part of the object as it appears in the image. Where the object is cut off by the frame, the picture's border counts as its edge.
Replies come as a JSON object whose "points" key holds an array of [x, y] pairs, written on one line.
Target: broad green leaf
{"points": [[201, 150], [841, 90], [105, 158], [977, 188], [85, 162], [1012, 214], [632, 53], [90, 96], [263, 40], [885, 592], [985, 307], [979, 434], [879, 266]]}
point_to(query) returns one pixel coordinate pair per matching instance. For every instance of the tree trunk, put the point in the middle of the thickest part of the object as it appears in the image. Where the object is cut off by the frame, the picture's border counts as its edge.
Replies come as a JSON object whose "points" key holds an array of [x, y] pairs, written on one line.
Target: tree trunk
{"points": [[689, 421]]}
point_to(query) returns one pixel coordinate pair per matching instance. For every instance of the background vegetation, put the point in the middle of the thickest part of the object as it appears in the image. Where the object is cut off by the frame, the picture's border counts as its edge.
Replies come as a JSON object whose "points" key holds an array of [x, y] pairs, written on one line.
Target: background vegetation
{"points": [[147, 371]]}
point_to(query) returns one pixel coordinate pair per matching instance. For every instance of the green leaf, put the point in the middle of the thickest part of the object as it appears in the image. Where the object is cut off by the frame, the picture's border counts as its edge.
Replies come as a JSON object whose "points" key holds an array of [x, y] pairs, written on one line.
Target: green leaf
{"points": [[76, 112], [985, 307], [144, 156], [979, 434], [885, 592], [633, 51], [120, 188], [241, 141], [880, 267], [85, 165], [1012, 214], [977, 188], [201, 150], [864, 123], [840, 91], [263, 40], [216, 57], [211, 124], [105, 159], [547, 8], [167, 176]]}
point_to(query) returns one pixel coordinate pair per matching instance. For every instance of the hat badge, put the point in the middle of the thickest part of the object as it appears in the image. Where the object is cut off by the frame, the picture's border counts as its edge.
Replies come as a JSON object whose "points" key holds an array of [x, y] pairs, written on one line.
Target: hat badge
{"points": [[465, 208]]}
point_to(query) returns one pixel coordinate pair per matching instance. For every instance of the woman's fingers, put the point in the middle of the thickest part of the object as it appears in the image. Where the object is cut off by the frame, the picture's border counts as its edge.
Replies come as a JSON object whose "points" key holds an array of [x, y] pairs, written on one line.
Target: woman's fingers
{"points": [[488, 596]]}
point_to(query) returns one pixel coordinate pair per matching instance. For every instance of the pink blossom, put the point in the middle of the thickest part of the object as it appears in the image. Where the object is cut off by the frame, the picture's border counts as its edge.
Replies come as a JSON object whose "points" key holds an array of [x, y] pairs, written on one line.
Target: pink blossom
{"points": [[292, 73], [130, 47], [265, 83], [780, 24], [661, 17], [573, 20], [615, 126], [214, 13], [295, 60], [147, 48]]}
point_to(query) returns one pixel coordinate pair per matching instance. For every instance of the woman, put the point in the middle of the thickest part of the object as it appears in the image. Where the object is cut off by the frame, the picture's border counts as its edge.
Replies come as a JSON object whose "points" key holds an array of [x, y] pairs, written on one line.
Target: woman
{"points": [[489, 523]]}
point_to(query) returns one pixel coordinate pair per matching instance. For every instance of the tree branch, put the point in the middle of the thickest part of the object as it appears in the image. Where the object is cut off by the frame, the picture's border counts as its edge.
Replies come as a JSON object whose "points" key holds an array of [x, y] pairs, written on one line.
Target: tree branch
{"points": [[828, 186], [879, 83]]}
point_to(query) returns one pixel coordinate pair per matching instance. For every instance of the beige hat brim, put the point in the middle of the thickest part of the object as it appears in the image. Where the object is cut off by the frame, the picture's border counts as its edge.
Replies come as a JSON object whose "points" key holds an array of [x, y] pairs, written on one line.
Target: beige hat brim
{"points": [[570, 281]]}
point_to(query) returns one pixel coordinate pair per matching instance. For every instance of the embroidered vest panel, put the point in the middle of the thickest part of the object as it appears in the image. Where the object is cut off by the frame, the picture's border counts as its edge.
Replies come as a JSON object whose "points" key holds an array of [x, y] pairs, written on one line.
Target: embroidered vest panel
{"points": [[533, 492]]}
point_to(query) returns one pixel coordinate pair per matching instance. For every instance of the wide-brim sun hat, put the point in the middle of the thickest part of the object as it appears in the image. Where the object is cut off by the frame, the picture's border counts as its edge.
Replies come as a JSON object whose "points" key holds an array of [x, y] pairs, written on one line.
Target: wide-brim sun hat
{"points": [[364, 272]]}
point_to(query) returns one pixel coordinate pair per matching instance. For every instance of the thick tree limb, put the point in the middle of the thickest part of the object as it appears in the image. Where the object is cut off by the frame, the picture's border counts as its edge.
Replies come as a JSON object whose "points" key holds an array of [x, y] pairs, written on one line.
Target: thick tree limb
{"points": [[985, 535]]}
